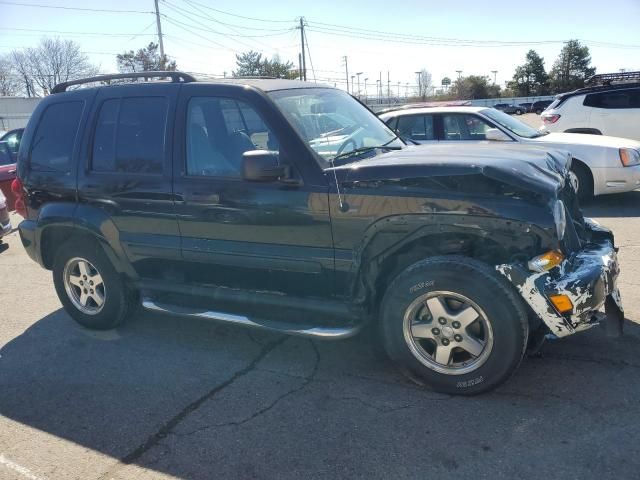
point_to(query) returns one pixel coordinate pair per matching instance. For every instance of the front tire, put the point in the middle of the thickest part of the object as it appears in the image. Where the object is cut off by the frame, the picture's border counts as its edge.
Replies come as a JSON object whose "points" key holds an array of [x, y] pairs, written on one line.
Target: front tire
{"points": [[582, 181], [89, 287], [454, 324]]}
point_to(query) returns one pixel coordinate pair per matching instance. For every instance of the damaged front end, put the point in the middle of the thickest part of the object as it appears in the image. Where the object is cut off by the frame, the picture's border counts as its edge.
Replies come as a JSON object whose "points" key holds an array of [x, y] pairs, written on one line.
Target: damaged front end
{"points": [[570, 297]]}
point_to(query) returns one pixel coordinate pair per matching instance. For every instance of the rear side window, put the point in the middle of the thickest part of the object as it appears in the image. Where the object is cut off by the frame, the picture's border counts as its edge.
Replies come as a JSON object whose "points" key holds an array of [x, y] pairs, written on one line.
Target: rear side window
{"points": [[55, 136], [620, 99], [416, 127], [130, 136]]}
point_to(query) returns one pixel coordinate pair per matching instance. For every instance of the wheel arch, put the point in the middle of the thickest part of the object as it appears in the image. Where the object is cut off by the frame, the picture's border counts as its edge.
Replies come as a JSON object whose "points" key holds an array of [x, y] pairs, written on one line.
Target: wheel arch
{"points": [[493, 241]]}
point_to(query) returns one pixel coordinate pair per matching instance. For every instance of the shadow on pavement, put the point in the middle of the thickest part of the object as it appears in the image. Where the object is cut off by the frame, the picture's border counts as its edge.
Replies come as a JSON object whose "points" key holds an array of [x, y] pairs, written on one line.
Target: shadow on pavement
{"points": [[229, 402], [616, 205]]}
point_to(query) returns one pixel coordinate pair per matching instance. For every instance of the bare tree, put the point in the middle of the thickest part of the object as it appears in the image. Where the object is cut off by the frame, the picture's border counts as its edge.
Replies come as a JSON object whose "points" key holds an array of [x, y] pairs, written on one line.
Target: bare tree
{"points": [[53, 61], [9, 81], [424, 83]]}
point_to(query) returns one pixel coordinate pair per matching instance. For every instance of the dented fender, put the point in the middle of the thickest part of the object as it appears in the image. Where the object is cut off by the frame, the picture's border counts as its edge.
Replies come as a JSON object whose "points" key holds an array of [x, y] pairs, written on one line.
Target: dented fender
{"points": [[588, 277]]}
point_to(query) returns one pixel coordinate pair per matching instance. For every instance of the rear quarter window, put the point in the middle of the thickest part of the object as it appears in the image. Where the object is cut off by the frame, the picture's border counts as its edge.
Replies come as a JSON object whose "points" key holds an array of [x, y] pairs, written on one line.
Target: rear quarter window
{"points": [[617, 99], [55, 136]]}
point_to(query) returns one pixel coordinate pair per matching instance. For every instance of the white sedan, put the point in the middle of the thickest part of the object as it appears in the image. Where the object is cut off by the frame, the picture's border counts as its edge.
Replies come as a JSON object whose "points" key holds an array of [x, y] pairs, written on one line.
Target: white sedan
{"points": [[601, 164]]}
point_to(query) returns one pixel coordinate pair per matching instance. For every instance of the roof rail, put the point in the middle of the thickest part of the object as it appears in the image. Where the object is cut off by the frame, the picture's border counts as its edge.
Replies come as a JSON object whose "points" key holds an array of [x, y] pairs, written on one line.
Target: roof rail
{"points": [[609, 78], [174, 76]]}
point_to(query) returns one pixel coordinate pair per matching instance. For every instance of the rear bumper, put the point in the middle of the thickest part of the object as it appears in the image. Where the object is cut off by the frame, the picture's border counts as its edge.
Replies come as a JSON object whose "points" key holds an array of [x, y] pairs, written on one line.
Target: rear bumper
{"points": [[27, 230], [588, 277]]}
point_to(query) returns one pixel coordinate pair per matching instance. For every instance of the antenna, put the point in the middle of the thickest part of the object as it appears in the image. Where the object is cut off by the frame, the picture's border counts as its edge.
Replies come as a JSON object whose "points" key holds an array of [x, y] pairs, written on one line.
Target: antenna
{"points": [[342, 205]]}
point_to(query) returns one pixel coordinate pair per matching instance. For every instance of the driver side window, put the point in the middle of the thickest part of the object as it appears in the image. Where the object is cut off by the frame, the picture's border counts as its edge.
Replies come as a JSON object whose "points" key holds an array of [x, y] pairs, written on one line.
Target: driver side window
{"points": [[219, 131], [464, 127]]}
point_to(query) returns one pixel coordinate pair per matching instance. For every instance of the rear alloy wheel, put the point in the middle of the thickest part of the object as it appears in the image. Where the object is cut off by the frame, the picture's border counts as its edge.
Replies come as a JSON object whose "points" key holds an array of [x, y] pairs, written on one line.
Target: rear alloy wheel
{"points": [[455, 324], [89, 287], [84, 286]]}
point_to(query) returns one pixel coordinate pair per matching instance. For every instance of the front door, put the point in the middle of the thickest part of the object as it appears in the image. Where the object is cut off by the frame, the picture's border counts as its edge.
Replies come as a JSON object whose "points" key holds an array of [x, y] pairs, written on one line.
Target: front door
{"points": [[271, 236]]}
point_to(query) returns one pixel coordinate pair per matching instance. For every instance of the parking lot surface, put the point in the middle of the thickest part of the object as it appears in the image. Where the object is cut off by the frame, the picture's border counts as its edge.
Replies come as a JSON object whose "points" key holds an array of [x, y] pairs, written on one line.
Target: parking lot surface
{"points": [[163, 397]]}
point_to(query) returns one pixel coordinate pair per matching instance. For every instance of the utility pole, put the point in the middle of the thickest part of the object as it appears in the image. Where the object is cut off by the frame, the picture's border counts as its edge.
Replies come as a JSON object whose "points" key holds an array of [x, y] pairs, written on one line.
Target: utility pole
{"points": [[398, 90], [380, 97], [304, 60], [159, 29], [358, 74], [300, 66], [365, 89], [419, 74], [406, 91], [388, 86], [353, 83], [346, 71], [494, 76]]}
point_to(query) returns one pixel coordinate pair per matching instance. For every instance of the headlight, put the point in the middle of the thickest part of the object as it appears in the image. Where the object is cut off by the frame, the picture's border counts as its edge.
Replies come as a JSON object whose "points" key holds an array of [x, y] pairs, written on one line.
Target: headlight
{"points": [[546, 261], [559, 218], [629, 157]]}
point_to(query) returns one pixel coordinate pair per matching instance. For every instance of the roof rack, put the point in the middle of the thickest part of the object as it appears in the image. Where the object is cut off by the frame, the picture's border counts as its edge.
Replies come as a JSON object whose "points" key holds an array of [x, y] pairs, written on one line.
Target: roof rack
{"points": [[174, 76], [609, 78]]}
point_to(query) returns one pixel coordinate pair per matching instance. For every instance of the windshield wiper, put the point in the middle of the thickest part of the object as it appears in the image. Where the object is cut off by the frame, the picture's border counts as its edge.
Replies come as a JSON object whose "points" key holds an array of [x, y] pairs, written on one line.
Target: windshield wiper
{"points": [[357, 151]]}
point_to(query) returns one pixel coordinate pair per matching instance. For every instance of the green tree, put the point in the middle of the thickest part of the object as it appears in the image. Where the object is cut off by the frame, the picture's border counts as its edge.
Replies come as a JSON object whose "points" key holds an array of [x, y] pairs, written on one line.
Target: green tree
{"points": [[147, 59], [530, 78], [571, 68], [252, 64], [474, 86]]}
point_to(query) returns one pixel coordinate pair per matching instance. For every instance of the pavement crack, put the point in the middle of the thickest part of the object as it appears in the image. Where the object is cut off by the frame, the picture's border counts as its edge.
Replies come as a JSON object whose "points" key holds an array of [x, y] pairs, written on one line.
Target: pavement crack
{"points": [[236, 423], [371, 405], [168, 427]]}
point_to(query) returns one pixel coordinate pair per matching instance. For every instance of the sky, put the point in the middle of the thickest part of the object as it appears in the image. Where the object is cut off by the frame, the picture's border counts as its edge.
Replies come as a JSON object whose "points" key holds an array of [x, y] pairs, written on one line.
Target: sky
{"points": [[389, 38]]}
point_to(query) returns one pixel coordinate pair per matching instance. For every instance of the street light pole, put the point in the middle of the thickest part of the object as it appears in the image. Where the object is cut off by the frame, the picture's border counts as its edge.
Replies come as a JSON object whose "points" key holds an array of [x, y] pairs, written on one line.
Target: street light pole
{"points": [[365, 90], [358, 75]]}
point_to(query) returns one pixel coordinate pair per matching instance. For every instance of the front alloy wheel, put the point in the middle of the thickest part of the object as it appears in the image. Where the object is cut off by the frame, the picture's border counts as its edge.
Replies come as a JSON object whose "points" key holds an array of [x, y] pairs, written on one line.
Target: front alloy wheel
{"points": [[448, 333]]}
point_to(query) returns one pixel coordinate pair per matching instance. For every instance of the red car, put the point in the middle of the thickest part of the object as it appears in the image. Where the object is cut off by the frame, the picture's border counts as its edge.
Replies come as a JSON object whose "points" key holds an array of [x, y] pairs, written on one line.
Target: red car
{"points": [[7, 173]]}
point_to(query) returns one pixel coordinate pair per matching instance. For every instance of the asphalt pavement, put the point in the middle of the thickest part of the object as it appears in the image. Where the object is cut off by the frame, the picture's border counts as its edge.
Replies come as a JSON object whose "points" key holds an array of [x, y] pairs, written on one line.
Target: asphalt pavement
{"points": [[164, 397]]}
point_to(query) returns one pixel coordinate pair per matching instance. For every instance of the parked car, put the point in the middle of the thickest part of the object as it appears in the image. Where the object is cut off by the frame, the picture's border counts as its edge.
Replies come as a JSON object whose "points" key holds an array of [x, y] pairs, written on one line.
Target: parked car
{"points": [[540, 106], [609, 109], [7, 173], [526, 106], [508, 108], [12, 138], [5, 221], [165, 194], [600, 165]]}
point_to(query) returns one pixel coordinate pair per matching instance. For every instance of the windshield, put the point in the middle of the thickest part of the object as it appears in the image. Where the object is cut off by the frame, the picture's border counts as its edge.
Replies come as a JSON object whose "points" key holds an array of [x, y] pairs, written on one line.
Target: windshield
{"points": [[507, 121], [332, 122]]}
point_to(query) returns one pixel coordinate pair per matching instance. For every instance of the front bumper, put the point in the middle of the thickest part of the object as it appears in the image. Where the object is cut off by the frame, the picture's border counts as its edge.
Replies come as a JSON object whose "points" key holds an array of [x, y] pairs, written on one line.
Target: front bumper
{"points": [[588, 277], [616, 180]]}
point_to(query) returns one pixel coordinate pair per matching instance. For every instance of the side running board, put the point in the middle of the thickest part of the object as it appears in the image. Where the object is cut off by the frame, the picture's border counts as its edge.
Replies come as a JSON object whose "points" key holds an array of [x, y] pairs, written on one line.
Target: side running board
{"points": [[327, 333]]}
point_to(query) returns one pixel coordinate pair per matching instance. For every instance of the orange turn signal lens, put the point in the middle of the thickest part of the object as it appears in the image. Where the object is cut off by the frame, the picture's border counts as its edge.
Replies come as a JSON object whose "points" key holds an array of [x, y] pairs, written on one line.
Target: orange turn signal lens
{"points": [[562, 303], [546, 261]]}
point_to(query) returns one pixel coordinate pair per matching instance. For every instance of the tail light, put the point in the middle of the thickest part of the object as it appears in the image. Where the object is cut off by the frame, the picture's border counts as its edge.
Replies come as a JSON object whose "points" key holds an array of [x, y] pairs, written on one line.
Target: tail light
{"points": [[550, 118], [18, 192]]}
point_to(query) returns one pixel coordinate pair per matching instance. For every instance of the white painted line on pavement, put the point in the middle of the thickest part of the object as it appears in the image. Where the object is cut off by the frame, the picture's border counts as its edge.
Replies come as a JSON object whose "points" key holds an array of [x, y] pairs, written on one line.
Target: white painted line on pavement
{"points": [[25, 472]]}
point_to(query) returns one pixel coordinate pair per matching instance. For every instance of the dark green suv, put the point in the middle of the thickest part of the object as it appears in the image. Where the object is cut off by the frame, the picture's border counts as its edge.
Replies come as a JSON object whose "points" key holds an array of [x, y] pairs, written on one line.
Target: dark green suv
{"points": [[290, 206]]}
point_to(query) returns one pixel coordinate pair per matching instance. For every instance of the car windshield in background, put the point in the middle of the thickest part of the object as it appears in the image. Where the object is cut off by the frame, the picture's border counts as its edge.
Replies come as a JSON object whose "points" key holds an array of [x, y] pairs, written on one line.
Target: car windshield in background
{"points": [[332, 122], [507, 121]]}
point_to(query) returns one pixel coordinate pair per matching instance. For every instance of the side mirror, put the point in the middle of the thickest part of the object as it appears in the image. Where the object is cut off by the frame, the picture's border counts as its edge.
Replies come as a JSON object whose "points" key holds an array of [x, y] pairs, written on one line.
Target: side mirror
{"points": [[262, 166], [496, 135]]}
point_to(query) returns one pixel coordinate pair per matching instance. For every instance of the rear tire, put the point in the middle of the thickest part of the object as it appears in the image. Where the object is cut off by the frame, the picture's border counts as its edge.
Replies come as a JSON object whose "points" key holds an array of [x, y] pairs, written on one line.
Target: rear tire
{"points": [[88, 286], [443, 326]]}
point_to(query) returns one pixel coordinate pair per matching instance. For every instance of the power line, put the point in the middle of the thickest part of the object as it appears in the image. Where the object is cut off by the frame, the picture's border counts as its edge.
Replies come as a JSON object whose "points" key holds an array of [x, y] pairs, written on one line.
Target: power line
{"points": [[239, 16], [182, 25], [232, 25], [110, 34], [102, 10]]}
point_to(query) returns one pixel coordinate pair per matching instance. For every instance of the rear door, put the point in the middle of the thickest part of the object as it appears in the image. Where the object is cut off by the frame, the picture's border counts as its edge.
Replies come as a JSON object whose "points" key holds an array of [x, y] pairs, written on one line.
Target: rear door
{"points": [[616, 112], [126, 173], [419, 128], [271, 236]]}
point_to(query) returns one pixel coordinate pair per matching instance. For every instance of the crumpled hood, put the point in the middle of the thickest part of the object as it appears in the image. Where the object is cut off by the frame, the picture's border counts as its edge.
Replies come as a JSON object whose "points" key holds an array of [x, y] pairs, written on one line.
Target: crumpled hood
{"points": [[534, 169]]}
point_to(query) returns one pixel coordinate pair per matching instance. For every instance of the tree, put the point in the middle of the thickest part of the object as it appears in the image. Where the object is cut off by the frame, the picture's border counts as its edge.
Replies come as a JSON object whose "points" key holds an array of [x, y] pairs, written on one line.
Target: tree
{"points": [[424, 83], [9, 78], [474, 86], [571, 68], [147, 59], [530, 78], [251, 64], [53, 61]]}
